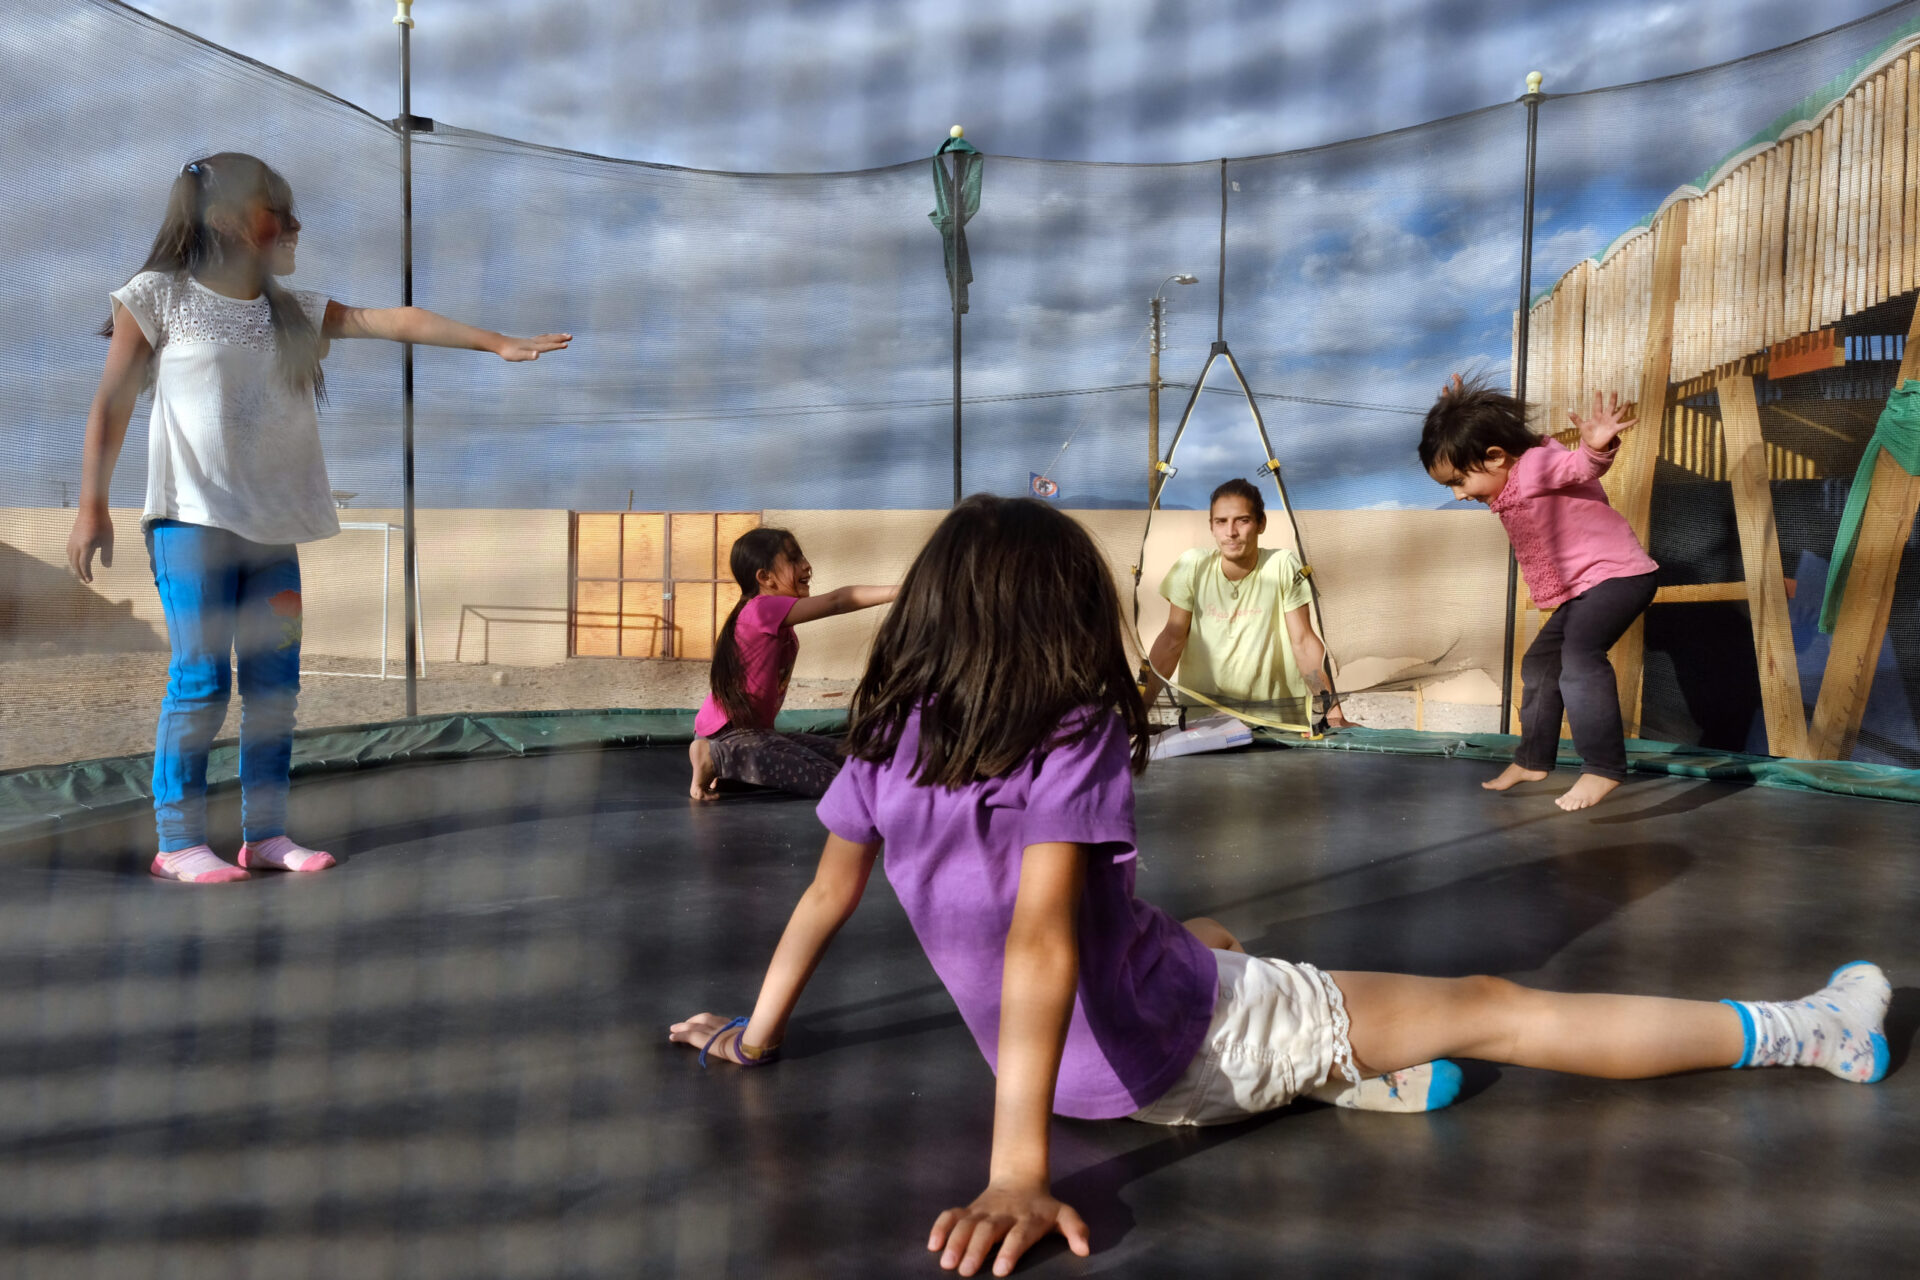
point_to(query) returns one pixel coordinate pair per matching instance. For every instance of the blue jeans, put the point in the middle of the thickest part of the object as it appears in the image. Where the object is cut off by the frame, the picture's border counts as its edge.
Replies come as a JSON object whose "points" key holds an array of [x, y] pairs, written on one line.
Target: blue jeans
{"points": [[223, 595]]}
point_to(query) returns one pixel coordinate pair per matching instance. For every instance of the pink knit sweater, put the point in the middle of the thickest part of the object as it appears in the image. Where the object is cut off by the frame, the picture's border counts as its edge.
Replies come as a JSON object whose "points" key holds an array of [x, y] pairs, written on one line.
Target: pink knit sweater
{"points": [[1565, 534]]}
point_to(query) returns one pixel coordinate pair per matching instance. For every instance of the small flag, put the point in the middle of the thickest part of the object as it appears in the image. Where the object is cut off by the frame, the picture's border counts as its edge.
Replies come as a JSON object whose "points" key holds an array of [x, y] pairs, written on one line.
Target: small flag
{"points": [[1041, 486]]}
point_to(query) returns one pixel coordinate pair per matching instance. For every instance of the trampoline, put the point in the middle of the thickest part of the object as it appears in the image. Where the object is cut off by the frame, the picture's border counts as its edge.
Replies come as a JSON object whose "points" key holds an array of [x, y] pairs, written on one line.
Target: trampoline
{"points": [[449, 1057]]}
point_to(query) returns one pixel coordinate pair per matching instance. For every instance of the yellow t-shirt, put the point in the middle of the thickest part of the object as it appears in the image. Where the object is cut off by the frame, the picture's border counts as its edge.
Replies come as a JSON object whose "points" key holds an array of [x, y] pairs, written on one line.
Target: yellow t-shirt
{"points": [[1238, 650]]}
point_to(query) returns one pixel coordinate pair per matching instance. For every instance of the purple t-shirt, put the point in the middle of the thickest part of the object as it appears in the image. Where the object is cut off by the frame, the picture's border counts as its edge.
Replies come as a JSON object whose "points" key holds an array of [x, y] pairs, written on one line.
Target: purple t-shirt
{"points": [[768, 647], [1147, 986]]}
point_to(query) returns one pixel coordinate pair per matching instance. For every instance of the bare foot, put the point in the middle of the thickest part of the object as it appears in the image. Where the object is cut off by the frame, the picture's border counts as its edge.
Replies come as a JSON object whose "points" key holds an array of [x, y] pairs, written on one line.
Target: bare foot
{"points": [[706, 781], [1512, 776], [1590, 790]]}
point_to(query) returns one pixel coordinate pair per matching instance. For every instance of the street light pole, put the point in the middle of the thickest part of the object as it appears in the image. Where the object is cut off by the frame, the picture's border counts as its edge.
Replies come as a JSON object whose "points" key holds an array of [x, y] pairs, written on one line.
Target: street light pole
{"points": [[410, 569], [1155, 340]]}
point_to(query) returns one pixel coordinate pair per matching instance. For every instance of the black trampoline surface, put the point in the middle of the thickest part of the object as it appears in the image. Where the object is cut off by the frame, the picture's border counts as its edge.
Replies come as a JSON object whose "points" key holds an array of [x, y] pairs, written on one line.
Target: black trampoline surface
{"points": [[448, 1057]]}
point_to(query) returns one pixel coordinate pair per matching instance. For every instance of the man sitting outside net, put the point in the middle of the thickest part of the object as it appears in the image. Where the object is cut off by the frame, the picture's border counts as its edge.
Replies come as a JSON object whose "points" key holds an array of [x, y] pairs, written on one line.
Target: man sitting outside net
{"points": [[1239, 626]]}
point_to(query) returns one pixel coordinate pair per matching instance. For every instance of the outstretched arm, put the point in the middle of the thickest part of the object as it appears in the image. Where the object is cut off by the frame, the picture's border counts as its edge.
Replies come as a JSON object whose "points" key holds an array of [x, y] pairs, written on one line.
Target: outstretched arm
{"points": [[1042, 971], [1599, 440], [838, 882], [1310, 655], [839, 600], [1164, 654], [429, 329], [127, 357]]}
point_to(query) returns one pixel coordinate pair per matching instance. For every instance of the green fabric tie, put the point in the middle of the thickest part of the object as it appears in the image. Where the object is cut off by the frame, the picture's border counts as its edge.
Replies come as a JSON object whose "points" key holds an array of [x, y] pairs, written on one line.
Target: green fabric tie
{"points": [[1898, 433]]}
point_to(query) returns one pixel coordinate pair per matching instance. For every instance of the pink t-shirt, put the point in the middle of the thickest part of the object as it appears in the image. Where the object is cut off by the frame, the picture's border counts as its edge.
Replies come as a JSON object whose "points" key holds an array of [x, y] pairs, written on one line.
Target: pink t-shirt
{"points": [[768, 647], [1565, 534], [1147, 986]]}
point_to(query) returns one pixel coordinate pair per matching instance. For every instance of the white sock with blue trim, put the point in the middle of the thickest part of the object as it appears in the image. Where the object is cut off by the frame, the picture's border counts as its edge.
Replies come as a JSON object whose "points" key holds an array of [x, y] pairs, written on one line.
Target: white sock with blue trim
{"points": [[1839, 1028], [1427, 1087]]}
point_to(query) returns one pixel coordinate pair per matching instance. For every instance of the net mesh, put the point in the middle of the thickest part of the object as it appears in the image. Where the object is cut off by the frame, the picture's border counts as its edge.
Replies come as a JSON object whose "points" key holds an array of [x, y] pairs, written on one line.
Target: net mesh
{"points": [[755, 348], [433, 1064]]}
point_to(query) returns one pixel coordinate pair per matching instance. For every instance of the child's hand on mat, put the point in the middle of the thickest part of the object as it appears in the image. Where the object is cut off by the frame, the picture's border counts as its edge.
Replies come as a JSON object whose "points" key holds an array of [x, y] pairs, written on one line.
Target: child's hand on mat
{"points": [[1016, 1218], [1599, 429], [700, 1030], [517, 349], [724, 1039]]}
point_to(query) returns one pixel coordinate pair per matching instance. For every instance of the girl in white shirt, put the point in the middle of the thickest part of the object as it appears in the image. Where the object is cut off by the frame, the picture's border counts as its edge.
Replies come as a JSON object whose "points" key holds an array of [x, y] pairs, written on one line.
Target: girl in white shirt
{"points": [[235, 478]]}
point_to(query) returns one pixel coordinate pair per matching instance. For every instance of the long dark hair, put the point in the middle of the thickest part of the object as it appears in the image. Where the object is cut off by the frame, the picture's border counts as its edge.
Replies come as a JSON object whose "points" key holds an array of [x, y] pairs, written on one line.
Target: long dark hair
{"points": [[754, 550], [1470, 418], [231, 183], [1007, 623]]}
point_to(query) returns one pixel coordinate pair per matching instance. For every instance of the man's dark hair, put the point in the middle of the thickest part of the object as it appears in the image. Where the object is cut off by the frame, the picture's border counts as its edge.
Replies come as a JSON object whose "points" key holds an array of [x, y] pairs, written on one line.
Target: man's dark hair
{"points": [[1469, 419], [1238, 488]]}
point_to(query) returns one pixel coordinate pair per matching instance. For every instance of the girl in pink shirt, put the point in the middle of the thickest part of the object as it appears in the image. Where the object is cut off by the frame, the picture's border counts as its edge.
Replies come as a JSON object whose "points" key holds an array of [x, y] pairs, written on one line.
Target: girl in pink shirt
{"points": [[994, 741], [753, 660], [1580, 559]]}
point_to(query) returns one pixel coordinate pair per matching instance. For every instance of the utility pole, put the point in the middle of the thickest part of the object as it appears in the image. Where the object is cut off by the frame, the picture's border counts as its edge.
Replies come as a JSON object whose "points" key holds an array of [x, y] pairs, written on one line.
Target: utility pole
{"points": [[1153, 402]]}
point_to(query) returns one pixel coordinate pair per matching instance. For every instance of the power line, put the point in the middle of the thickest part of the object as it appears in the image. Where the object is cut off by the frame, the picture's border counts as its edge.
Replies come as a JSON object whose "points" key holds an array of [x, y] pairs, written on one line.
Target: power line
{"points": [[1333, 404]]}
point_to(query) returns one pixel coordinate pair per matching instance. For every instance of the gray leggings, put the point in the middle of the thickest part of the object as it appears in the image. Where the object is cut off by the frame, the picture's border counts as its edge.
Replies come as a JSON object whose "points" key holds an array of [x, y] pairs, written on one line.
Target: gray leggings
{"points": [[802, 763], [1566, 669]]}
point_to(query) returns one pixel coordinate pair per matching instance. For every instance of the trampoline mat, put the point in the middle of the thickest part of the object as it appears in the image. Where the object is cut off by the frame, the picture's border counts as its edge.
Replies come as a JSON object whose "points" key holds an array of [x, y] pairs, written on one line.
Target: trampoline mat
{"points": [[449, 1058]]}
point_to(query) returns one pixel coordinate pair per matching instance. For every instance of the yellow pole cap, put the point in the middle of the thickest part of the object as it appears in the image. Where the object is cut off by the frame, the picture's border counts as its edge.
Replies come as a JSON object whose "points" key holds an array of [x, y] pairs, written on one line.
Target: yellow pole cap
{"points": [[1534, 79], [404, 16], [955, 132]]}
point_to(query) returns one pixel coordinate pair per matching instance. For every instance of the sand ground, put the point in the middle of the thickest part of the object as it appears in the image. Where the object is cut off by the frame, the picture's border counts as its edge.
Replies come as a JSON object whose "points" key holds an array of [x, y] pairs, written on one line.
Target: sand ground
{"points": [[57, 707]]}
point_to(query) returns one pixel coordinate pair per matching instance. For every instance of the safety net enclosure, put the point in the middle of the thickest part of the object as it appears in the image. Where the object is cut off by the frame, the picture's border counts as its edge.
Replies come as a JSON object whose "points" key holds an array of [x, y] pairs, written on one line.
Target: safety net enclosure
{"points": [[447, 1057], [776, 349]]}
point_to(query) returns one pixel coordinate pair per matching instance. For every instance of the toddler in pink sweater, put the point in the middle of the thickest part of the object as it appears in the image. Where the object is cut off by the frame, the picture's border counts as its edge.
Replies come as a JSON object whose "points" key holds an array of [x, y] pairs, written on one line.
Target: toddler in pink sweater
{"points": [[1580, 559]]}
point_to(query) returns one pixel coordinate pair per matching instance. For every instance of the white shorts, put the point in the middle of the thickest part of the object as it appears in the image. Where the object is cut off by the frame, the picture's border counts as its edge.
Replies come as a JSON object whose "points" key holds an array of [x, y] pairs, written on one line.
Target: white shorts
{"points": [[1279, 1030]]}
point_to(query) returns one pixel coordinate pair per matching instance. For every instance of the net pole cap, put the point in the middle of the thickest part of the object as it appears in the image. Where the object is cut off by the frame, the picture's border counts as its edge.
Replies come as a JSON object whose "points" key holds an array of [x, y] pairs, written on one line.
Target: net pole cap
{"points": [[956, 132], [1534, 81], [403, 13]]}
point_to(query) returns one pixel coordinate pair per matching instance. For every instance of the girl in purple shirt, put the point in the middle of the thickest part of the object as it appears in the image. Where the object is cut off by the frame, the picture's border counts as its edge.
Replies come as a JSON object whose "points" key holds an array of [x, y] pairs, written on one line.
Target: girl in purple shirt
{"points": [[753, 660], [994, 740], [1580, 559]]}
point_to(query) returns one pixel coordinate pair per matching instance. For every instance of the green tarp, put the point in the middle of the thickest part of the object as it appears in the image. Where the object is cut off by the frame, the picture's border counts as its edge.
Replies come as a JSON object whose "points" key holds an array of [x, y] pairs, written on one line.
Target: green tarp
{"points": [[35, 802], [1898, 432], [1836, 777]]}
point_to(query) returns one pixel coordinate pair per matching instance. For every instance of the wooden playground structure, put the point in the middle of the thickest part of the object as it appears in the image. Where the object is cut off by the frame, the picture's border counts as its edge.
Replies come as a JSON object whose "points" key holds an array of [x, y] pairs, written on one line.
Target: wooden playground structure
{"points": [[1792, 248]]}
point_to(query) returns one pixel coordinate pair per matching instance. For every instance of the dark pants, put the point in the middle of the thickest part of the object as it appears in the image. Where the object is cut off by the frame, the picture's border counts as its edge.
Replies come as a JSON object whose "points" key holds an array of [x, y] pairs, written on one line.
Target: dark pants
{"points": [[802, 763], [1566, 670]]}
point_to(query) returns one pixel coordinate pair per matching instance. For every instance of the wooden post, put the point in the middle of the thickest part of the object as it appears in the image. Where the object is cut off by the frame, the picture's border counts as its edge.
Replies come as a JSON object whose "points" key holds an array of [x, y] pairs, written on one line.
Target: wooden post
{"points": [[1780, 699], [1862, 627], [1632, 475]]}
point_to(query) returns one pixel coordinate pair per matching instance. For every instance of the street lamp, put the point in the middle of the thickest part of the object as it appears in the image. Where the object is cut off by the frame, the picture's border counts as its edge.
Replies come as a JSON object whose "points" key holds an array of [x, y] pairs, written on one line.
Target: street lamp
{"points": [[1154, 342]]}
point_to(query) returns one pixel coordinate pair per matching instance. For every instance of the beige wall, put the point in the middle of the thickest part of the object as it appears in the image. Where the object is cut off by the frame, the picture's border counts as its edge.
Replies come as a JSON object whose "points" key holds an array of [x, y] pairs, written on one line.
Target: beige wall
{"points": [[493, 586], [1408, 596]]}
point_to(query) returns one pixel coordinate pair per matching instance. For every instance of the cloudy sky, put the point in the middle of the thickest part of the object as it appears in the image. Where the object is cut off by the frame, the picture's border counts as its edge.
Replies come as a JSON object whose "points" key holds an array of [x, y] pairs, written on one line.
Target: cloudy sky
{"points": [[815, 85], [767, 341]]}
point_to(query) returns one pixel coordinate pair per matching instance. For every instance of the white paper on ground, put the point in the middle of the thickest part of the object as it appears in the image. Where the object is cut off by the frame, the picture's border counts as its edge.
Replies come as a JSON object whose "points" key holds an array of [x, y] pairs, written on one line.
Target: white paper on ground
{"points": [[1215, 733]]}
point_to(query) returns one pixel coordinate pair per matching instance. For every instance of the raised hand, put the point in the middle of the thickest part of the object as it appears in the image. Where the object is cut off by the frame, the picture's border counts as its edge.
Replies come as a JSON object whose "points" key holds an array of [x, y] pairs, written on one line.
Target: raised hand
{"points": [[1015, 1218], [517, 349], [1600, 428]]}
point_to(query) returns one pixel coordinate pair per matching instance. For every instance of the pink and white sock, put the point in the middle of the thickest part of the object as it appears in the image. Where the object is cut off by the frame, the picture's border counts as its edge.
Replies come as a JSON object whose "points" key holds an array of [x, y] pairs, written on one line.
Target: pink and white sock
{"points": [[198, 864], [280, 853]]}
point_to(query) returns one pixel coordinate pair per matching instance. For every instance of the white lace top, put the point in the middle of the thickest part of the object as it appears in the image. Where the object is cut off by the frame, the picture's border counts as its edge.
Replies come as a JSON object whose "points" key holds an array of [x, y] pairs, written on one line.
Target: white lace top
{"points": [[230, 444]]}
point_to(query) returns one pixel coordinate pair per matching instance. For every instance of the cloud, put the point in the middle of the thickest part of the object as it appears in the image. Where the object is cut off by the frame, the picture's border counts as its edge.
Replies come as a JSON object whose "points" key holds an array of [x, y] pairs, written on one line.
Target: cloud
{"points": [[716, 313]]}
